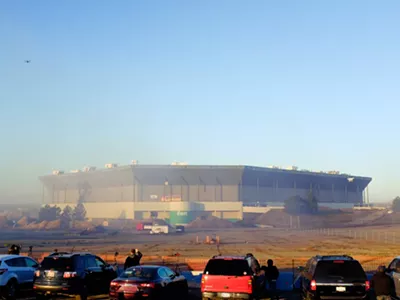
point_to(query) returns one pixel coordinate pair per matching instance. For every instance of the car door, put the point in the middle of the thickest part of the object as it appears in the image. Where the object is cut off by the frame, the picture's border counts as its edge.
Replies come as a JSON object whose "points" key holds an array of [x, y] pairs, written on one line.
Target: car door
{"points": [[106, 275], [166, 288], [31, 266], [21, 270], [396, 277], [175, 281], [93, 275], [391, 271]]}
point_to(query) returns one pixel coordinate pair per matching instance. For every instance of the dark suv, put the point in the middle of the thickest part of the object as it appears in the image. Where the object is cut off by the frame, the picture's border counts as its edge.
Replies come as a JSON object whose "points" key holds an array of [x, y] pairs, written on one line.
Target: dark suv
{"points": [[333, 277], [73, 274]]}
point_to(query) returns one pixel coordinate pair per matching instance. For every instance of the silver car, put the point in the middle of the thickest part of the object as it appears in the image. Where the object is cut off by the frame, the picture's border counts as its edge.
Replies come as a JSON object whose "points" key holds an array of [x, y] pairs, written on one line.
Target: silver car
{"points": [[16, 274]]}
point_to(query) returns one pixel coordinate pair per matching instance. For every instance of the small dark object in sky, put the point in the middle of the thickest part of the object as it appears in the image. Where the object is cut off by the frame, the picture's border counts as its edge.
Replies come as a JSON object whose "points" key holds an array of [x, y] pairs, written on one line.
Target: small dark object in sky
{"points": [[27, 61]]}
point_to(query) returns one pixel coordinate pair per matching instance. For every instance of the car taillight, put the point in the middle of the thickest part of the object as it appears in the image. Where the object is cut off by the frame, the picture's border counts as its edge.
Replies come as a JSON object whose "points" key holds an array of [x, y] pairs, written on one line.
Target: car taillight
{"points": [[70, 274], [313, 285], [147, 285], [203, 281], [37, 273], [250, 284], [367, 286], [2, 271], [115, 285]]}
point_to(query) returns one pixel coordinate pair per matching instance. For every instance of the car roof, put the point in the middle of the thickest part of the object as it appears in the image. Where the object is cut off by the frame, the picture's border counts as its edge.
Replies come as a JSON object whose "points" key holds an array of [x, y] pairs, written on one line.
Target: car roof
{"points": [[8, 256], [227, 257], [69, 255], [148, 267], [334, 257]]}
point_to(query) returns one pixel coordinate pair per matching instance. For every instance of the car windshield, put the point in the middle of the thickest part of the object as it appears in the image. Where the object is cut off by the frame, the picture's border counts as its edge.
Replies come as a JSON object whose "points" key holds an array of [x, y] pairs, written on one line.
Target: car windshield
{"points": [[57, 263], [223, 267], [339, 269], [138, 272]]}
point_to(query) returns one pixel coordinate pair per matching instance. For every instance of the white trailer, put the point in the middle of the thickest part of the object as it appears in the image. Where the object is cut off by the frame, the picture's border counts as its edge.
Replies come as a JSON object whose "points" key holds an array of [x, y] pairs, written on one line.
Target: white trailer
{"points": [[158, 229]]}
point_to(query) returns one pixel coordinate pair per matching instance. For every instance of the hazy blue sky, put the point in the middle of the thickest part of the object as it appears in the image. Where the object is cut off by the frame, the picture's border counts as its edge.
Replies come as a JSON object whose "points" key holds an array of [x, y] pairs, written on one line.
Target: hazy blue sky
{"points": [[307, 83]]}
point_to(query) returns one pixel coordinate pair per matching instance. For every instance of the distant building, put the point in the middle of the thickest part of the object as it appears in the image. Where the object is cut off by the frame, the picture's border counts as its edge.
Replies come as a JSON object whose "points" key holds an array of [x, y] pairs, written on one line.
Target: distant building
{"points": [[180, 192]]}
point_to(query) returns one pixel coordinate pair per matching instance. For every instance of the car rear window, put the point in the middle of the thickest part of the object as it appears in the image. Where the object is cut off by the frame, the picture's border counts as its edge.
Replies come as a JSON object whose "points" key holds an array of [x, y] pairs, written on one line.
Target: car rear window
{"points": [[234, 267], [140, 273], [339, 269], [57, 263]]}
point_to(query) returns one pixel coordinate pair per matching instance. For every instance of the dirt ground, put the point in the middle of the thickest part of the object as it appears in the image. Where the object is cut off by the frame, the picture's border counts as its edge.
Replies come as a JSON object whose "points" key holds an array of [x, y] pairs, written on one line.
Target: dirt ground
{"points": [[289, 248]]}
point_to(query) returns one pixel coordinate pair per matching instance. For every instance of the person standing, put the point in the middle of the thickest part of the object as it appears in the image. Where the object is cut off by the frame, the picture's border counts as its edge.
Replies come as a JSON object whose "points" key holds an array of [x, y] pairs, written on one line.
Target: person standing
{"points": [[382, 284], [133, 259], [271, 274]]}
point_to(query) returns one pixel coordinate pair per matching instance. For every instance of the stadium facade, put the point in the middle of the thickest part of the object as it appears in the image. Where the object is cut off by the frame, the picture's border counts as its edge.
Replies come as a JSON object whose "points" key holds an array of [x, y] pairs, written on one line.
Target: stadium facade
{"points": [[182, 192]]}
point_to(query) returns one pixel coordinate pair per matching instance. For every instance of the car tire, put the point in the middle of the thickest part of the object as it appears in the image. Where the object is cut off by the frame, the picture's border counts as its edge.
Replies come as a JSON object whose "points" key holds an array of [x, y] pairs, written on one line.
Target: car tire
{"points": [[83, 295], [185, 292], [11, 290]]}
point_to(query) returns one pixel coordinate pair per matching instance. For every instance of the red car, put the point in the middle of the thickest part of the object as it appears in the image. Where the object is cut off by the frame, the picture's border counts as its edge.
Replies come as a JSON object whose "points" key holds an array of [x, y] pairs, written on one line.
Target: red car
{"points": [[227, 277], [149, 282]]}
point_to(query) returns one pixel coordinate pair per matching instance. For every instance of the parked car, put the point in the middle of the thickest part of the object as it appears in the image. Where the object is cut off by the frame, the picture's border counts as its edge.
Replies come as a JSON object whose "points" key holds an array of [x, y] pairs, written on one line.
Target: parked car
{"points": [[150, 282], [16, 274], [393, 270], [227, 277], [333, 277], [73, 274]]}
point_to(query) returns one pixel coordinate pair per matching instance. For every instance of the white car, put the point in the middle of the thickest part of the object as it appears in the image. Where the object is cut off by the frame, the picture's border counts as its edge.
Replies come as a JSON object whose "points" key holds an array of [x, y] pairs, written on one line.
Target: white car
{"points": [[16, 274]]}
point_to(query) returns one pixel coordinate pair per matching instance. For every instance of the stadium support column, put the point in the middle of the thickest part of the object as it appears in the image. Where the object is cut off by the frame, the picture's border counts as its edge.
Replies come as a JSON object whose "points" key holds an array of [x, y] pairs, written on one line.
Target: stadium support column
{"points": [[220, 189], [240, 191], [258, 190], [52, 193], [42, 193], [135, 191], [367, 196], [187, 189], [345, 194]]}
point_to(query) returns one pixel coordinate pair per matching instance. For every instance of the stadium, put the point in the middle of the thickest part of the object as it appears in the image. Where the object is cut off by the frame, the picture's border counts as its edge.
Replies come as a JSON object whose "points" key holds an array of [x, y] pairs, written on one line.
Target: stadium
{"points": [[179, 192]]}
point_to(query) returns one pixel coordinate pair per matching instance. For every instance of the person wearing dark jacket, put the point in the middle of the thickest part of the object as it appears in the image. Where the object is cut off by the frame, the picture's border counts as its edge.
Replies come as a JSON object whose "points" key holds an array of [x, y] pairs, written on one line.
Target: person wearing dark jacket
{"points": [[382, 284], [253, 263], [271, 275], [133, 259], [14, 249]]}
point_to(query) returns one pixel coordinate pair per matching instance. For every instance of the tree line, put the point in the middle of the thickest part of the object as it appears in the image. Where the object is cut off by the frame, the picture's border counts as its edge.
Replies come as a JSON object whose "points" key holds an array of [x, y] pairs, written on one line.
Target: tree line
{"points": [[68, 214]]}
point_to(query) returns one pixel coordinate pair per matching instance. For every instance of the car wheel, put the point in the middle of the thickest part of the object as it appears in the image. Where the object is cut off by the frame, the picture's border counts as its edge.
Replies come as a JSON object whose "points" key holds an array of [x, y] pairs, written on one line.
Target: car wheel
{"points": [[11, 290], [185, 292], [83, 295]]}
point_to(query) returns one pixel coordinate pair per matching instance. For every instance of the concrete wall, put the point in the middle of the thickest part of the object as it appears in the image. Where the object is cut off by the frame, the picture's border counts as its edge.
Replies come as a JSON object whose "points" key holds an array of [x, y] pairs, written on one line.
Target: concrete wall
{"points": [[108, 194], [198, 193], [252, 194]]}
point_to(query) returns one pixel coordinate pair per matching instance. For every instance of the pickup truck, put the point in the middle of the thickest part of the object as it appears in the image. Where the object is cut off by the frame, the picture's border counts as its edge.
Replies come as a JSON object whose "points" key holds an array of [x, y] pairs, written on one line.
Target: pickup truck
{"points": [[227, 277]]}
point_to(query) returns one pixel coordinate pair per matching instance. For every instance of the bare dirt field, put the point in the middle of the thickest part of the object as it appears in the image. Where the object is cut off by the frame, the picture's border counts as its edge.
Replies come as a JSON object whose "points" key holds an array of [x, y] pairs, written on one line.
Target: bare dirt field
{"points": [[371, 245]]}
